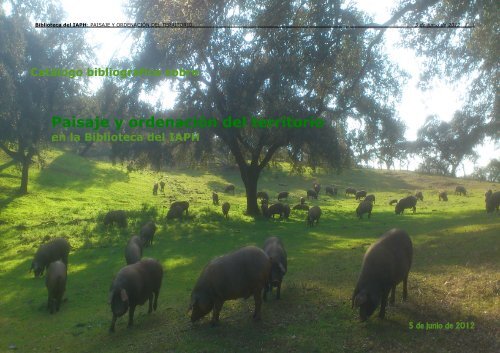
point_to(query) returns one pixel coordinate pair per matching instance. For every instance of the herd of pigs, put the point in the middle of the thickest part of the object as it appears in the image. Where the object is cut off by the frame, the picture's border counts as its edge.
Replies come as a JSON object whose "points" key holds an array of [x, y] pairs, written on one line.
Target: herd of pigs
{"points": [[179, 208], [246, 271]]}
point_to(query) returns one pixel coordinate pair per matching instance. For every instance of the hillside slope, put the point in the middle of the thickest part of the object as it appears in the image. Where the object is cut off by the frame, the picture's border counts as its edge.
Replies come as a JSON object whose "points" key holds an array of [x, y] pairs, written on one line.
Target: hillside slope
{"points": [[455, 277]]}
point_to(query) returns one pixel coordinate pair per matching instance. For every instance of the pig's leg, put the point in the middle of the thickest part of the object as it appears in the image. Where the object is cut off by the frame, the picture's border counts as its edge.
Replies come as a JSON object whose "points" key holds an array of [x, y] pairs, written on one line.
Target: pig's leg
{"points": [[216, 311]]}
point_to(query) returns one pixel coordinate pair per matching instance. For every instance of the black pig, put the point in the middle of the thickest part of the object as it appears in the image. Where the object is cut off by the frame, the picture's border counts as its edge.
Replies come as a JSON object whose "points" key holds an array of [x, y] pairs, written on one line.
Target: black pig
{"points": [[239, 274], [275, 249], [53, 250], [407, 202], [133, 250], [147, 232], [118, 216], [132, 286], [55, 281], [386, 263]]}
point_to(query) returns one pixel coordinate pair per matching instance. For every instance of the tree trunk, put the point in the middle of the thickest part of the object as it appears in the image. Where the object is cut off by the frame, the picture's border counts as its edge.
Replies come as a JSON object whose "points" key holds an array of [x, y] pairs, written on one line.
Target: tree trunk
{"points": [[454, 169], [24, 176], [250, 176]]}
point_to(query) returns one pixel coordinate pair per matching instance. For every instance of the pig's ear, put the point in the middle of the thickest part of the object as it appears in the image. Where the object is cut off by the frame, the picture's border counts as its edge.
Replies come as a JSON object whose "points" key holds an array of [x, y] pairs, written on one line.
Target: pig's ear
{"points": [[123, 295], [282, 268]]}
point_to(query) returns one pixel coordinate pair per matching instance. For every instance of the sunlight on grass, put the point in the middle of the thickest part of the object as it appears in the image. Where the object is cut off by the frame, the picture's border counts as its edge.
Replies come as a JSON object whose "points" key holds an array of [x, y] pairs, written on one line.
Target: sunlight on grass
{"points": [[173, 263], [9, 265], [455, 274]]}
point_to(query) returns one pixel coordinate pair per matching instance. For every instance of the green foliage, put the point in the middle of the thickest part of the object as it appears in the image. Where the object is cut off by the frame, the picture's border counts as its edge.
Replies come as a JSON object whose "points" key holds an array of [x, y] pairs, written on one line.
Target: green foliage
{"points": [[453, 276], [490, 173], [444, 145], [324, 73], [462, 53], [27, 102]]}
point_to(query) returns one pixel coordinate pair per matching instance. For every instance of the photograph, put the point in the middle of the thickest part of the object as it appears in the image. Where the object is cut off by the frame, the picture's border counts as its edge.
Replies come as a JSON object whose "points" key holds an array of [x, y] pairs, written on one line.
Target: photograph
{"points": [[195, 176]]}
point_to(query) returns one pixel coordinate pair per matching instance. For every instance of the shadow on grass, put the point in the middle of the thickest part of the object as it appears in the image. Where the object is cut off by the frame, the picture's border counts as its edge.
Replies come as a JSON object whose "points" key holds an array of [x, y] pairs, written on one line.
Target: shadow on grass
{"points": [[219, 187], [307, 289], [70, 171], [6, 165], [316, 288], [9, 194], [356, 178], [323, 269]]}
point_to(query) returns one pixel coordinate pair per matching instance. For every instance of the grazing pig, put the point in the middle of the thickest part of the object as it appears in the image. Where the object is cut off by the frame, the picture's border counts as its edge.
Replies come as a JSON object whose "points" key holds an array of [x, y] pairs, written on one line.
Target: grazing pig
{"points": [[275, 249], [239, 274], [313, 194], [55, 281], [487, 194], [276, 208], [53, 250], [393, 201], [443, 196], [147, 232], [302, 201], [263, 195], [350, 191], [175, 212], [286, 211], [317, 188], [313, 214], [460, 190], [386, 263], [133, 250], [225, 209], [132, 286], [155, 189], [215, 198], [407, 202], [370, 198], [283, 195], [162, 186], [360, 194], [118, 216], [184, 205], [329, 190], [265, 208], [419, 195], [493, 202], [364, 207], [301, 207], [229, 188]]}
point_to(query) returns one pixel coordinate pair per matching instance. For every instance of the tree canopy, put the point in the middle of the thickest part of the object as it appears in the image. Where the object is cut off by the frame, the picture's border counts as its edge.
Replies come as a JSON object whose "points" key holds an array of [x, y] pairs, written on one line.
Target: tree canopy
{"points": [[309, 71], [447, 144], [327, 73], [456, 54], [27, 102]]}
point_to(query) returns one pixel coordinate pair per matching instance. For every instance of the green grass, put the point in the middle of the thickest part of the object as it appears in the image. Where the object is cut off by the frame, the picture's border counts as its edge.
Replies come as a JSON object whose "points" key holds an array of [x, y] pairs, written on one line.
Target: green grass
{"points": [[455, 276]]}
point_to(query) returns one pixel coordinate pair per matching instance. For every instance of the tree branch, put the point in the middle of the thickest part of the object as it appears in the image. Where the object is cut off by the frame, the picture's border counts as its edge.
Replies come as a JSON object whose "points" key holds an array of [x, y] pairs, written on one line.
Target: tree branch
{"points": [[417, 6], [11, 154], [269, 154]]}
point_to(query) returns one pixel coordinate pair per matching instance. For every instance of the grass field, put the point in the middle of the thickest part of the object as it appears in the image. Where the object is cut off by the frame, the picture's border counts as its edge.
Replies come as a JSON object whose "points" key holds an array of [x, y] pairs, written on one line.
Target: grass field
{"points": [[455, 275]]}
